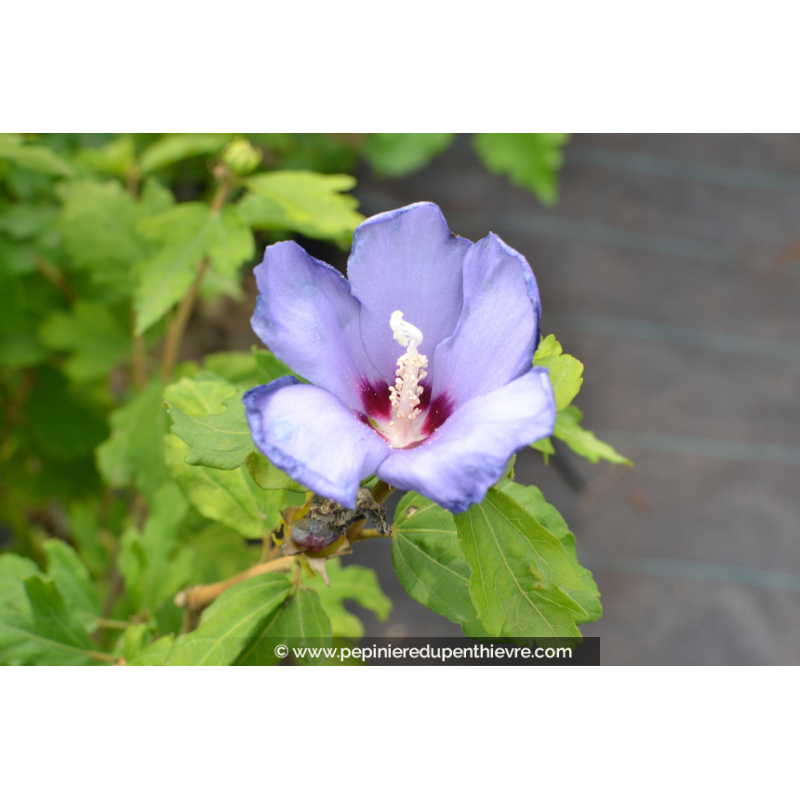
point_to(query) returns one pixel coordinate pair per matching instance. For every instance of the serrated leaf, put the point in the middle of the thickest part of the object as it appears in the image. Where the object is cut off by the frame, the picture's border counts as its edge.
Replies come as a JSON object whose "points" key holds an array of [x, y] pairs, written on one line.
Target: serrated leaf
{"points": [[566, 372], [32, 156], [517, 567], [174, 147], [199, 395], [584, 442], [429, 563], [532, 499], [72, 578], [530, 160], [267, 475], [356, 583], [221, 441], [227, 496], [397, 154], [302, 201], [302, 622], [134, 451], [92, 334], [232, 621]]}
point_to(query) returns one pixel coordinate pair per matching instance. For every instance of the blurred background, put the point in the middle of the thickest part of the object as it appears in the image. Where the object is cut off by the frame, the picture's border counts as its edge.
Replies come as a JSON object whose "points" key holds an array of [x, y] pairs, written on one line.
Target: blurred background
{"points": [[670, 266]]}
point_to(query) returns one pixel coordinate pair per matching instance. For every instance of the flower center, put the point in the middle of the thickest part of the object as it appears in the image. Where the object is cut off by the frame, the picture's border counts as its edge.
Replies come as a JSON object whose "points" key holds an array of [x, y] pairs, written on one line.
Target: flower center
{"points": [[405, 426]]}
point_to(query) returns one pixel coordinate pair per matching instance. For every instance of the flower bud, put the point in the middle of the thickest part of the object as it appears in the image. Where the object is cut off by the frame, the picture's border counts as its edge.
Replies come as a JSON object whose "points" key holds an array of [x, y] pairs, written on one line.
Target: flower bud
{"points": [[241, 157]]}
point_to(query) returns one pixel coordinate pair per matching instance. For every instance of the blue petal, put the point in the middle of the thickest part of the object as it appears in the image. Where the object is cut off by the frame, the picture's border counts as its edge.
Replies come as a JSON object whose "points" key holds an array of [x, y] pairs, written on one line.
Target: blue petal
{"points": [[496, 336], [456, 466], [406, 260], [306, 315], [310, 435]]}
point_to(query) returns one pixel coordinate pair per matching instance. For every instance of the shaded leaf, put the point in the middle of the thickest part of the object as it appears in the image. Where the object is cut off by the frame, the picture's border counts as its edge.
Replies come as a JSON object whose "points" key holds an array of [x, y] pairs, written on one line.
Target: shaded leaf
{"points": [[566, 372], [117, 158], [232, 621], [530, 160], [270, 367], [267, 475], [134, 451], [584, 442], [397, 154], [72, 578], [237, 367], [32, 156], [356, 583], [517, 568], [92, 334], [429, 563]]}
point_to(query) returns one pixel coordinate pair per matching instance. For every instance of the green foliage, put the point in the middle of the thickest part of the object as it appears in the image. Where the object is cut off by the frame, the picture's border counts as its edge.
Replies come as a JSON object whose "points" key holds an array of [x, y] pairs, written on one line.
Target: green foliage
{"points": [[133, 452], [351, 583], [93, 336], [233, 622], [531, 160], [302, 622], [73, 581], [566, 372], [227, 496], [176, 147], [301, 201], [267, 475], [584, 442], [519, 571], [397, 154], [532, 499], [429, 563], [31, 156], [270, 367], [153, 566]]}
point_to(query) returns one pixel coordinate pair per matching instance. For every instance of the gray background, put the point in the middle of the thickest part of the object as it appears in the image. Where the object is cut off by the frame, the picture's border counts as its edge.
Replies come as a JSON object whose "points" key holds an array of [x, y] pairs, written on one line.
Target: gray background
{"points": [[667, 269]]}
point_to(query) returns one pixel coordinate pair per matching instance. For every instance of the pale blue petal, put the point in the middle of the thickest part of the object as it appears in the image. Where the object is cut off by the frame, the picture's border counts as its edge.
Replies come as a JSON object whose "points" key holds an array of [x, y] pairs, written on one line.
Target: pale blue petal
{"points": [[498, 331], [456, 466], [406, 260], [310, 435]]}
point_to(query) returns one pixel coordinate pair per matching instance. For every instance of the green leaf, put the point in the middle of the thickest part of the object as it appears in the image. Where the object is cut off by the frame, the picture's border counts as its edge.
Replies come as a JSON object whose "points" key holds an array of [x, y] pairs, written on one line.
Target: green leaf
{"points": [[117, 158], [163, 279], [25, 221], [396, 154], [152, 570], [219, 440], [155, 654], [518, 568], [545, 447], [232, 621], [85, 532], [175, 147], [301, 201], [227, 496], [351, 583], [72, 579], [63, 426], [134, 451], [199, 395], [531, 498], [31, 156], [219, 553], [584, 442], [98, 229], [240, 368], [92, 334], [429, 563], [301, 623], [230, 242], [530, 160], [270, 367], [267, 475], [566, 372]]}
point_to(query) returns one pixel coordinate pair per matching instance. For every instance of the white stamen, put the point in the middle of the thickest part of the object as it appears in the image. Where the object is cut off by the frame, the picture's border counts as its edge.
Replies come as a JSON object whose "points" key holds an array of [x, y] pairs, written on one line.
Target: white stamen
{"points": [[404, 395]]}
